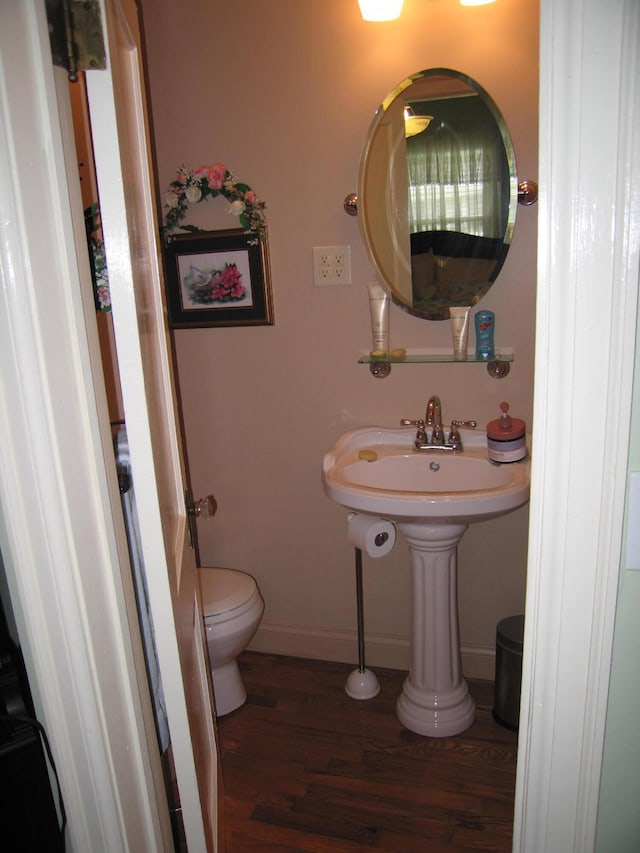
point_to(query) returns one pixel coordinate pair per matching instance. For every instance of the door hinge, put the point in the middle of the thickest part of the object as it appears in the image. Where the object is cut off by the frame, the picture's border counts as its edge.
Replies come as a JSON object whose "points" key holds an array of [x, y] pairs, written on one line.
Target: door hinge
{"points": [[75, 33]]}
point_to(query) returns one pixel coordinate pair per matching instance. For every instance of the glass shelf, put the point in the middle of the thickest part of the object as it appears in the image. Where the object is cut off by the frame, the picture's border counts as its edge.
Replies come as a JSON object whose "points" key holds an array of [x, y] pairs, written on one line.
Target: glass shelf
{"points": [[436, 356]]}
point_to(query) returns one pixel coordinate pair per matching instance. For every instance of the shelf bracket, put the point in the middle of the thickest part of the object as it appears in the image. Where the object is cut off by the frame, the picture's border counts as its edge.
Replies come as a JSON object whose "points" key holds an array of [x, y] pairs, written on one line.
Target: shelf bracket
{"points": [[380, 369], [496, 369]]}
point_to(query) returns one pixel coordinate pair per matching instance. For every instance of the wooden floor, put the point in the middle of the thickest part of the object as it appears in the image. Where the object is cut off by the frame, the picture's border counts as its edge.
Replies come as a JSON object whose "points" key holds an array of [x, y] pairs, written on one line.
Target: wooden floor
{"points": [[306, 769]]}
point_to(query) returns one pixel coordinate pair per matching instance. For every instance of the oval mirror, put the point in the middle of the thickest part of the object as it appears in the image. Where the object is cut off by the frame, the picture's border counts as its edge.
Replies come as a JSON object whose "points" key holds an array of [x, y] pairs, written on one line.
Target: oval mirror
{"points": [[437, 192]]}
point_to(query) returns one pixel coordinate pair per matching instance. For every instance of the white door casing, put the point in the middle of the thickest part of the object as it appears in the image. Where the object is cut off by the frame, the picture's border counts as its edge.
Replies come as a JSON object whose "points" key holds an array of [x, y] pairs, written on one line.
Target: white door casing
{"points": [[64, 554], [124, 173], [62, 542], [588, 256]]}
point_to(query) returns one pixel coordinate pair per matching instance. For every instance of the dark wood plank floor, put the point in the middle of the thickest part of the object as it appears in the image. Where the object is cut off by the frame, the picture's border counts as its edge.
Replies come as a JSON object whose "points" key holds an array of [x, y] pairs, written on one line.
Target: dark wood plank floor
{"points": [[306, 769]]}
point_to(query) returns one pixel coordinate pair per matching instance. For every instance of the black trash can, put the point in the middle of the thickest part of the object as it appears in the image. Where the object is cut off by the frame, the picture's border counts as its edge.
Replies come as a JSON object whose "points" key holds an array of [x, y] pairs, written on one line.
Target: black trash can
{"points": [[509, 637]]}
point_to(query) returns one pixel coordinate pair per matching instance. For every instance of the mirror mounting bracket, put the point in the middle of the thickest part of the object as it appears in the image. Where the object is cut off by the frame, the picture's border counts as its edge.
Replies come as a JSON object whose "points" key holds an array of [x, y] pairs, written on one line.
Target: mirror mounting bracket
{"points": [[527, 194], [351, 204]]}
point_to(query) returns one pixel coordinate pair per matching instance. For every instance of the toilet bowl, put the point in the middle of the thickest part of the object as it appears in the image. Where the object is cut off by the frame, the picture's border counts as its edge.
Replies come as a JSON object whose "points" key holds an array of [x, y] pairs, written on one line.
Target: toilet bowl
{"points": [[232, 608]]}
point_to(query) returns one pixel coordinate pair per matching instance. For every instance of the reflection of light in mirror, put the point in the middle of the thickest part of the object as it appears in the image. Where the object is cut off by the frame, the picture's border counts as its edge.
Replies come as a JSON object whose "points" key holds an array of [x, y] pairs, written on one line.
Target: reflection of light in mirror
{"points": [[380, 10], [413, 124]]}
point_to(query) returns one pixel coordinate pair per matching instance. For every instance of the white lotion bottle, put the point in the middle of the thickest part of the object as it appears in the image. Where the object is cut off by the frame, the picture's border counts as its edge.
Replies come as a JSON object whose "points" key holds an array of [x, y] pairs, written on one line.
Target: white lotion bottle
{"points": [[379, 309], [460, 332]]}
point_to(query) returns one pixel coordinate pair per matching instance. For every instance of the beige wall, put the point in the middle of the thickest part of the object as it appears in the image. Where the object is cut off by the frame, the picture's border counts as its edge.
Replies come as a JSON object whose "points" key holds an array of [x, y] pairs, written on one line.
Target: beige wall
{"points": [[283, 93]]}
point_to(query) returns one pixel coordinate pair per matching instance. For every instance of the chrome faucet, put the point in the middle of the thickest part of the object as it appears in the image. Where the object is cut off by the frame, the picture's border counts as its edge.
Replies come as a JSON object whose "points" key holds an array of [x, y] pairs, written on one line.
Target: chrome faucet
{"points": [[433, 419]]}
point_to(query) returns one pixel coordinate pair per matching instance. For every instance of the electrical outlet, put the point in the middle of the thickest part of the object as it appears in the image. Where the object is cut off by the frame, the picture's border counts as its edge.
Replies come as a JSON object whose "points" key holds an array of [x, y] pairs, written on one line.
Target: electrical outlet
{"points": [[331, 265]]}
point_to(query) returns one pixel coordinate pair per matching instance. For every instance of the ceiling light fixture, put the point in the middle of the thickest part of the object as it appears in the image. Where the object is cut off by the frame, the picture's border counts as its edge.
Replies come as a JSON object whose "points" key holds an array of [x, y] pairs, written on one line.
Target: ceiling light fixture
{"points": [[389, 10], [413, 124], [380, 10]]}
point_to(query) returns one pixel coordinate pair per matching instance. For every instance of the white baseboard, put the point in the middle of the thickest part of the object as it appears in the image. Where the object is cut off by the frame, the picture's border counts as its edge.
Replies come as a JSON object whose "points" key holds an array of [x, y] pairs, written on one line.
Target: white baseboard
{"points": [[478, 662], [388, 652]]}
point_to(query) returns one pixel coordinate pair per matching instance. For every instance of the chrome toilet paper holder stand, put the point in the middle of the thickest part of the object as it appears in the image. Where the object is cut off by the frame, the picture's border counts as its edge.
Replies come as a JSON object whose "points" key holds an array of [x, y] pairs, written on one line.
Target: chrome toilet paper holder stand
{"points": [[362, 683]]}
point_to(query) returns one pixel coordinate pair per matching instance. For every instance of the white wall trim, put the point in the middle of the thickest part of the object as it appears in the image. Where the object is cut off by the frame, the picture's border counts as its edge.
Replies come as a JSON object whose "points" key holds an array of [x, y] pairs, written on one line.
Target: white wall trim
{"points": [[381, 650], [587, 299]]}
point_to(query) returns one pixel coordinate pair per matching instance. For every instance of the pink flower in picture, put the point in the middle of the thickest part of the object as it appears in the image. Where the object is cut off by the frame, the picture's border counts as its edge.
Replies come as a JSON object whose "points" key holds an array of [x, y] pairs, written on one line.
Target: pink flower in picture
{"points": [[230, 286], [207, 287]]}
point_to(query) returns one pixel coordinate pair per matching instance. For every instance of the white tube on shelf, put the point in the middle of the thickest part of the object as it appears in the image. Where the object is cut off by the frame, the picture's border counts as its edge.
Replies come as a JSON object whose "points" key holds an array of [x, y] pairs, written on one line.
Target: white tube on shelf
{"points": [[379, 310], [460, 332]]}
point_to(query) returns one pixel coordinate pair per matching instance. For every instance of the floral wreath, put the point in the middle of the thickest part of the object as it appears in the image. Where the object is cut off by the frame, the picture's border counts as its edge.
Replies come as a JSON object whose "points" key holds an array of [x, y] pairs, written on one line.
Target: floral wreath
{"points": [[98, 258], [192, 186]]}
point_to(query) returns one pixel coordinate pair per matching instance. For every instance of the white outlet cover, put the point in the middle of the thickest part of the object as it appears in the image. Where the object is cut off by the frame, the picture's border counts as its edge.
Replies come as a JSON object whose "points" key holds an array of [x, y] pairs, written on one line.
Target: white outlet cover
{"points": [[331, 265]]}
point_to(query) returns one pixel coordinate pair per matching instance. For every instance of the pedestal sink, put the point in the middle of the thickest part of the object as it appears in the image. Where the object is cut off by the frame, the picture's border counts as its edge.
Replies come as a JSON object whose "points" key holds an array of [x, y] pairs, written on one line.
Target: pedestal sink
{"points": [[432, 497]]}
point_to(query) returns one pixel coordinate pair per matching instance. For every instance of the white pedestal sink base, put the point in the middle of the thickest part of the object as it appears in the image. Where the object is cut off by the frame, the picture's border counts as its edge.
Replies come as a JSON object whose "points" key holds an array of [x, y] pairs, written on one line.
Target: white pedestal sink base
{"points": [[432, 499], [435, 698]]}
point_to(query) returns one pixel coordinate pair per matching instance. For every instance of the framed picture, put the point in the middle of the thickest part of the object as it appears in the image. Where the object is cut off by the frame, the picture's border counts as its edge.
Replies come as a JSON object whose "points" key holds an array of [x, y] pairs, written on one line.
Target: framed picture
{"points": [[218, 278]]}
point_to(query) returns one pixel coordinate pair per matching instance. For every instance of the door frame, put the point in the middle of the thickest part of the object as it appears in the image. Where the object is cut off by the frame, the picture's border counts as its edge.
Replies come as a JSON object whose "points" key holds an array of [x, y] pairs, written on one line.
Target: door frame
{"points": [[587, 297], [63, 547]]}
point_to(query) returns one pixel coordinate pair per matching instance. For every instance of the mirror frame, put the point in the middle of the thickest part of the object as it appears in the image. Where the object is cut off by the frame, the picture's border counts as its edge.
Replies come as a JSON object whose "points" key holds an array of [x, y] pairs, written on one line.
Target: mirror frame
{"points": [[386, 235]]}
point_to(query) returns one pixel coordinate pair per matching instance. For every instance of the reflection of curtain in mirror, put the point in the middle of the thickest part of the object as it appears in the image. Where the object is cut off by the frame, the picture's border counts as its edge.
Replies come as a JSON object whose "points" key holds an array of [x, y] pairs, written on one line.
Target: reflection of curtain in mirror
{"points": [[454, 182]]}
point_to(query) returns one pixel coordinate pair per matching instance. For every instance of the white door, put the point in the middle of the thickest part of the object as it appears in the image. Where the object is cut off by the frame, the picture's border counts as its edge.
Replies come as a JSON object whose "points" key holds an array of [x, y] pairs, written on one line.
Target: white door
{"points": [[125, 186]]}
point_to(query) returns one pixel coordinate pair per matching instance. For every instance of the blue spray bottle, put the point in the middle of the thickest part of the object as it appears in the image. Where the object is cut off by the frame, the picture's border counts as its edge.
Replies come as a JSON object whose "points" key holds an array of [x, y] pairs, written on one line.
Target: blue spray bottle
{"points": [[485, 323]]}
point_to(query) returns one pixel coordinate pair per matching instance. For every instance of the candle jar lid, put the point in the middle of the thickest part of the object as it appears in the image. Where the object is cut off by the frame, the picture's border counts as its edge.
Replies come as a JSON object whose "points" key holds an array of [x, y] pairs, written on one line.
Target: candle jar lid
{"points": [[505, 428]]}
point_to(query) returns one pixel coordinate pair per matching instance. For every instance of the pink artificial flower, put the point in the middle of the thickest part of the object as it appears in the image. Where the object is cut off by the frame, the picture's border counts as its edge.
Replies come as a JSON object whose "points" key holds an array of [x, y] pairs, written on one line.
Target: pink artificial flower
{"points": [[250, 196], [214, 175]]}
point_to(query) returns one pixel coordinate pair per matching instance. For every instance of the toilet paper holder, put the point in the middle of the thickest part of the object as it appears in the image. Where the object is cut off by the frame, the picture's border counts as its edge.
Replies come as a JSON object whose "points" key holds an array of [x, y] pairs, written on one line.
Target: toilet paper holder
{"points": [[362, 683]]}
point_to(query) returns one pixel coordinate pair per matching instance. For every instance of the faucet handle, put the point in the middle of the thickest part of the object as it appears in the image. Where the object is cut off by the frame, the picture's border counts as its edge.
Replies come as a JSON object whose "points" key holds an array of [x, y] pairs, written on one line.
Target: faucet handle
{"points": [[454, 436], [421, 435], [464, 424]]}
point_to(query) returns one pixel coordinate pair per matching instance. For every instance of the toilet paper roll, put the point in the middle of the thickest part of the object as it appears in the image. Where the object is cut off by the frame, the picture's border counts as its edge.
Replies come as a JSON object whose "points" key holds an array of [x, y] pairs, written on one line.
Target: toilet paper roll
{"points": [[376, 536]]}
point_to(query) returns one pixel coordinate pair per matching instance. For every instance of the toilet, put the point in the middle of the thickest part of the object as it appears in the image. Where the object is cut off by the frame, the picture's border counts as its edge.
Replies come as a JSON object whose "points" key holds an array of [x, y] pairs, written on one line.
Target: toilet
{"points": [[232, 608]]}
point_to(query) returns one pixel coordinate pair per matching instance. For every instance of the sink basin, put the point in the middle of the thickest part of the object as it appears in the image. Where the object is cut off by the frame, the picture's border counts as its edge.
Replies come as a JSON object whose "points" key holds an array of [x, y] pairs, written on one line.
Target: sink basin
{"points": [[432, 497], [401, 483]]}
